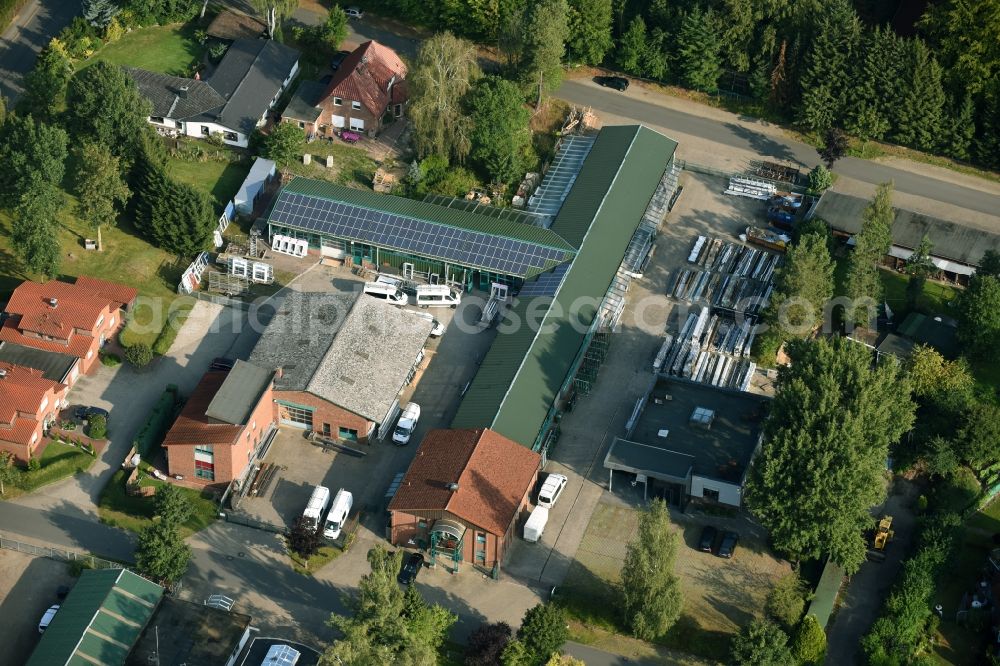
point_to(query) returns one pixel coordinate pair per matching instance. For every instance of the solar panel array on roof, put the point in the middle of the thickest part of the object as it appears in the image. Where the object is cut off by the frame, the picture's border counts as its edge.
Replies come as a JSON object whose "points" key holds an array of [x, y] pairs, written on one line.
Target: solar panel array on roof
{"points": [[406, 234], [546, 284], [472, 206]]}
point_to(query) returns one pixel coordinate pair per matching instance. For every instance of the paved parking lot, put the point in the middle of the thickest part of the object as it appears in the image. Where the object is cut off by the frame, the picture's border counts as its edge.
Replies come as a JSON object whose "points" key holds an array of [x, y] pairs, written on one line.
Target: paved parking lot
{"points": [[28, 587], [449, 363]]}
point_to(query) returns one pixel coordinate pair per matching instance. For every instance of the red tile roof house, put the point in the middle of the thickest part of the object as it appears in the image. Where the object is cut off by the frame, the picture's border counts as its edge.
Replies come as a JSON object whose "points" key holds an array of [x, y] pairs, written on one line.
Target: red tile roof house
{"points": [[223, 426], [68, 318], [369, 85], [29, 403], [463, 496]]}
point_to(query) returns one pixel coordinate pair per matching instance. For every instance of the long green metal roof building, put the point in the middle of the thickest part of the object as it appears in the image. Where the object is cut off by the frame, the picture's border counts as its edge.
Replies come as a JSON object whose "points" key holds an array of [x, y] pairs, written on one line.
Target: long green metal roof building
{"points": [[100, 620], [520, 377]]}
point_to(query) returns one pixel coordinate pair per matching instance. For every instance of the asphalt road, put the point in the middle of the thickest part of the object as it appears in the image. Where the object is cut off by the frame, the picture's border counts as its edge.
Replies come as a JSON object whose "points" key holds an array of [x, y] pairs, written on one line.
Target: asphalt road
{"points": [[65, 529], [735, 135], [34, 27]]}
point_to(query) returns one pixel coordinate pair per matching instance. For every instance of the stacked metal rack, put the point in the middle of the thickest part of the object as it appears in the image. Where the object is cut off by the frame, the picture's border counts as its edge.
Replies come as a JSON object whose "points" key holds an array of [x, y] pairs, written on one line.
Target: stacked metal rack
{"points": [[729, 276], [710, 349]]}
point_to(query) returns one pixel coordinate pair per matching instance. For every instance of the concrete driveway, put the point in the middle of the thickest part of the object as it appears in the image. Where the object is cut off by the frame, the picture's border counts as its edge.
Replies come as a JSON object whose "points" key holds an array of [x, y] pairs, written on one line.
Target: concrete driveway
{"points": [[129, 394]]}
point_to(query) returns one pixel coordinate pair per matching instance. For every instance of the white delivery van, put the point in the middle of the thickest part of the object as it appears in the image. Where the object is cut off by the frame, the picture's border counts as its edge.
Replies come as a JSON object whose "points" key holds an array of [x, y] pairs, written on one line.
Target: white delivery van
{"points": [[318, 501], [535, 524], [438, 295], [551, 490], [438, 329], [406, 424], [387, 288], [339, 512]]}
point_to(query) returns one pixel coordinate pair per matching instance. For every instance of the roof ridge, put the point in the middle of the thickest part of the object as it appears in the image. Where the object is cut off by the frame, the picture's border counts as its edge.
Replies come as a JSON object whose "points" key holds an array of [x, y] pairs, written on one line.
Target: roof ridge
{"points": [[465, 466], [246, 74]]}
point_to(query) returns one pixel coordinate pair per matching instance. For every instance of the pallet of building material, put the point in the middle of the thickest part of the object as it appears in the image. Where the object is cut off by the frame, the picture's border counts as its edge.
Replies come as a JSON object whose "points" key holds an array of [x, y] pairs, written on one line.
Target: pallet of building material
{"points": [[661, 356], [699, 245]]}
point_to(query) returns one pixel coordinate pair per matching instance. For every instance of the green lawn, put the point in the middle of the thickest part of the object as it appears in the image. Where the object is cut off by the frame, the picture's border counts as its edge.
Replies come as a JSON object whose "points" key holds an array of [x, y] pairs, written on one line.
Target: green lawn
{"points": [[169, 49], [119, 509], [58, 461], [219, 179], [317, 561], [351, 166]]}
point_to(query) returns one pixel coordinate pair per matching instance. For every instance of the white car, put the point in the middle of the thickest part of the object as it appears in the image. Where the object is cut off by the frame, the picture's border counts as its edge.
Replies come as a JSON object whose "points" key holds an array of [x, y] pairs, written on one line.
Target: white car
{"points": [[437, 330], [551, 490], [407, 424], [46, 620], [354, 12]]}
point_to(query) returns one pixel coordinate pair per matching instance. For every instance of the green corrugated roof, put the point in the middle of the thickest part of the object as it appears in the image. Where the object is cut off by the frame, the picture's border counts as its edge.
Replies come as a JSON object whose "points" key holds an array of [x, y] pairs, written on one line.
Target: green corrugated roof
{"points": [[89, 628], [386, 203], [826, 593], [522, 373]]}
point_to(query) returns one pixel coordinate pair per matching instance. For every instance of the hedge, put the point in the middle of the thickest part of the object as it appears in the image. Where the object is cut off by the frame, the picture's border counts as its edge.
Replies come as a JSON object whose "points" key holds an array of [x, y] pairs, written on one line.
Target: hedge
{"points": [[156, 426]]}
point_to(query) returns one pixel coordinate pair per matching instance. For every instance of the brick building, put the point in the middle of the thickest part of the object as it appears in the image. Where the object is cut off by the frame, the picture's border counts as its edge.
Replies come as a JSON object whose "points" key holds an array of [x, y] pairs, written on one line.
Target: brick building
{"points": [[28, 404], [367, 88], [73, 319], [463, 495], [341, 361], [223, 425]]}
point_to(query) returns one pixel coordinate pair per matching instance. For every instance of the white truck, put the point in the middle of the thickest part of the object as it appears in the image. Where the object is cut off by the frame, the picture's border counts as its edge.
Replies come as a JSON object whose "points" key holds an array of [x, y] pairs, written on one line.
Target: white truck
{"points": [[535, 525], [318, 502], [406, 424]]}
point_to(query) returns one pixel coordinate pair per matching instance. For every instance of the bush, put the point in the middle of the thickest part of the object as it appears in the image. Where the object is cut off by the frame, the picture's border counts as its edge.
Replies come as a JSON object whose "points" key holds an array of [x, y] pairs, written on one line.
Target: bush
{"points": [[139, 354], [109, 359], [304, 540], [809, 644], [957, 491], [77, 567], [820, 178], [97, 427], [34, 464], [787, 600]]}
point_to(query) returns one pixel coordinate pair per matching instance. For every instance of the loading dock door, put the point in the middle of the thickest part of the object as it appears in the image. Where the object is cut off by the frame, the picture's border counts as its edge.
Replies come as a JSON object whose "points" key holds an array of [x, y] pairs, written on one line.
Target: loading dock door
{"points": [[297, 417]]}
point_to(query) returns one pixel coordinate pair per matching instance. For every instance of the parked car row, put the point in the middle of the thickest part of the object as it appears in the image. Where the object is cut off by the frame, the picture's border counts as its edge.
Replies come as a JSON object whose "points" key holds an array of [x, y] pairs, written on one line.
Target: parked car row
{"points": [[389, 288], [727, 546], [335, 514], [552, 488]]}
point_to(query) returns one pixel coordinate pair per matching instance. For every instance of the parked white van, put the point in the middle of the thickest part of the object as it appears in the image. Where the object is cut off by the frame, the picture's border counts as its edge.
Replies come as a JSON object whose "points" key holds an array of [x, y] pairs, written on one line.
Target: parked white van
{"points": [[339, 512], [406, 424], [318, 502], [387, 288], [551, 490], [438, 295], [534, 527]]}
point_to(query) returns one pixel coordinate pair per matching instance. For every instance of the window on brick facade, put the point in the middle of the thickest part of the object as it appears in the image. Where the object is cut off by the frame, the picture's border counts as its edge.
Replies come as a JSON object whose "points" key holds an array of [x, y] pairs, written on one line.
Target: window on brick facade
{"points": [[481, 556], [356, 106], [204, 470], [326, 430], [347, 433], [337, 101], [480, 537]]}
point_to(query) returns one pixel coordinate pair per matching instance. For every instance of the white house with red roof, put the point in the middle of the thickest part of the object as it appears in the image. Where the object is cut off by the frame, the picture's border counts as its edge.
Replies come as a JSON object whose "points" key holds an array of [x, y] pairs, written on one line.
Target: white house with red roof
{"points": [[368, 88]]}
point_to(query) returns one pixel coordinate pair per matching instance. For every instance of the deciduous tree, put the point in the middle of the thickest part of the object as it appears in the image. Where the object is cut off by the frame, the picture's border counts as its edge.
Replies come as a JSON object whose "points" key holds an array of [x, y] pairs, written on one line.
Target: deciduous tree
{"points": [[172, 506], [9, 473], [787, 600], [486, 644], [835, 146], [919, 267], [541, 635], [979, 316], [871, 244], [443, 72], [979, 438], [809, 642], [104, 105], [650, 591], [826, 440], [35, 232], [101, 192], [761, 643], [820, 178], [161, 553], [589, 30], [32, 154], [274, 12], [545, 33], [500, 136], [285, 144], [45, 85]]}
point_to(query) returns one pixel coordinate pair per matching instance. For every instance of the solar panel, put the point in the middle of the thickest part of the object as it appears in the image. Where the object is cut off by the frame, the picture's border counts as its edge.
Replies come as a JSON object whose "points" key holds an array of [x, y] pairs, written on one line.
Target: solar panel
{"points": [[405, 234], [546, 284]]}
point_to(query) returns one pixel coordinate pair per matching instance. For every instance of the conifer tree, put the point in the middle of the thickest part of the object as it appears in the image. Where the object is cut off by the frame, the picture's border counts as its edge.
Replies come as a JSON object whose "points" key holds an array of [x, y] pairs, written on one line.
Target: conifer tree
{"points": [[829, 63], [698, 46]]}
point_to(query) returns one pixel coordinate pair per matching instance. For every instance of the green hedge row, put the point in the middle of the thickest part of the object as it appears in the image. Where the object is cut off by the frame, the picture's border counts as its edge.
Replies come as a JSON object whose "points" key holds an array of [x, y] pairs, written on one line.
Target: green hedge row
{"points": [[156, 426]]}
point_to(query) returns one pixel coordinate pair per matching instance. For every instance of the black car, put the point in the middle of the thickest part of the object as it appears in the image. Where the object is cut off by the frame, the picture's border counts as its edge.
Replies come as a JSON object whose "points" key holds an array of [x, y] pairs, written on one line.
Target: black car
{"points": [[84, 413], [338, 59], [617, 82], [707, 540], [411, 567], [728, 546]]}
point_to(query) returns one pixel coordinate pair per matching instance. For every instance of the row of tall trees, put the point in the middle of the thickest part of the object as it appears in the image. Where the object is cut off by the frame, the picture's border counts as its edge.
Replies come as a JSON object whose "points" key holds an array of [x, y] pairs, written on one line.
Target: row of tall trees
{"points": [[117, 162], [820, 63]]}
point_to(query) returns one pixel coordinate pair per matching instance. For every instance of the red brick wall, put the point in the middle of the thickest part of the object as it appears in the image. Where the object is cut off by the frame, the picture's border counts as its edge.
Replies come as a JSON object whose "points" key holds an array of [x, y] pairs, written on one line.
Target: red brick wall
{"points": [[23, 451], [329, 110], [404, 526], [325, 412]]}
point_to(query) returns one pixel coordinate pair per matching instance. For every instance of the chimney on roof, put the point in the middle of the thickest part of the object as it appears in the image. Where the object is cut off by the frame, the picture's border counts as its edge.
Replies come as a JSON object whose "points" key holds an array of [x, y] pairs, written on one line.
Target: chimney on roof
{"points": [[182, 92], [3, 373], [53, 302], [453, 487]]}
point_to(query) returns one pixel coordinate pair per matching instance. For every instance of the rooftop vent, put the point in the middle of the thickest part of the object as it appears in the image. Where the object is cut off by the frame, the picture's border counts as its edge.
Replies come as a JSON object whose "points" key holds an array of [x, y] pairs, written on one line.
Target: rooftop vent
{"points": [[3, 373], [702, 417], [182, 92], [52, 301], [453, 487], [347, 380]]}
